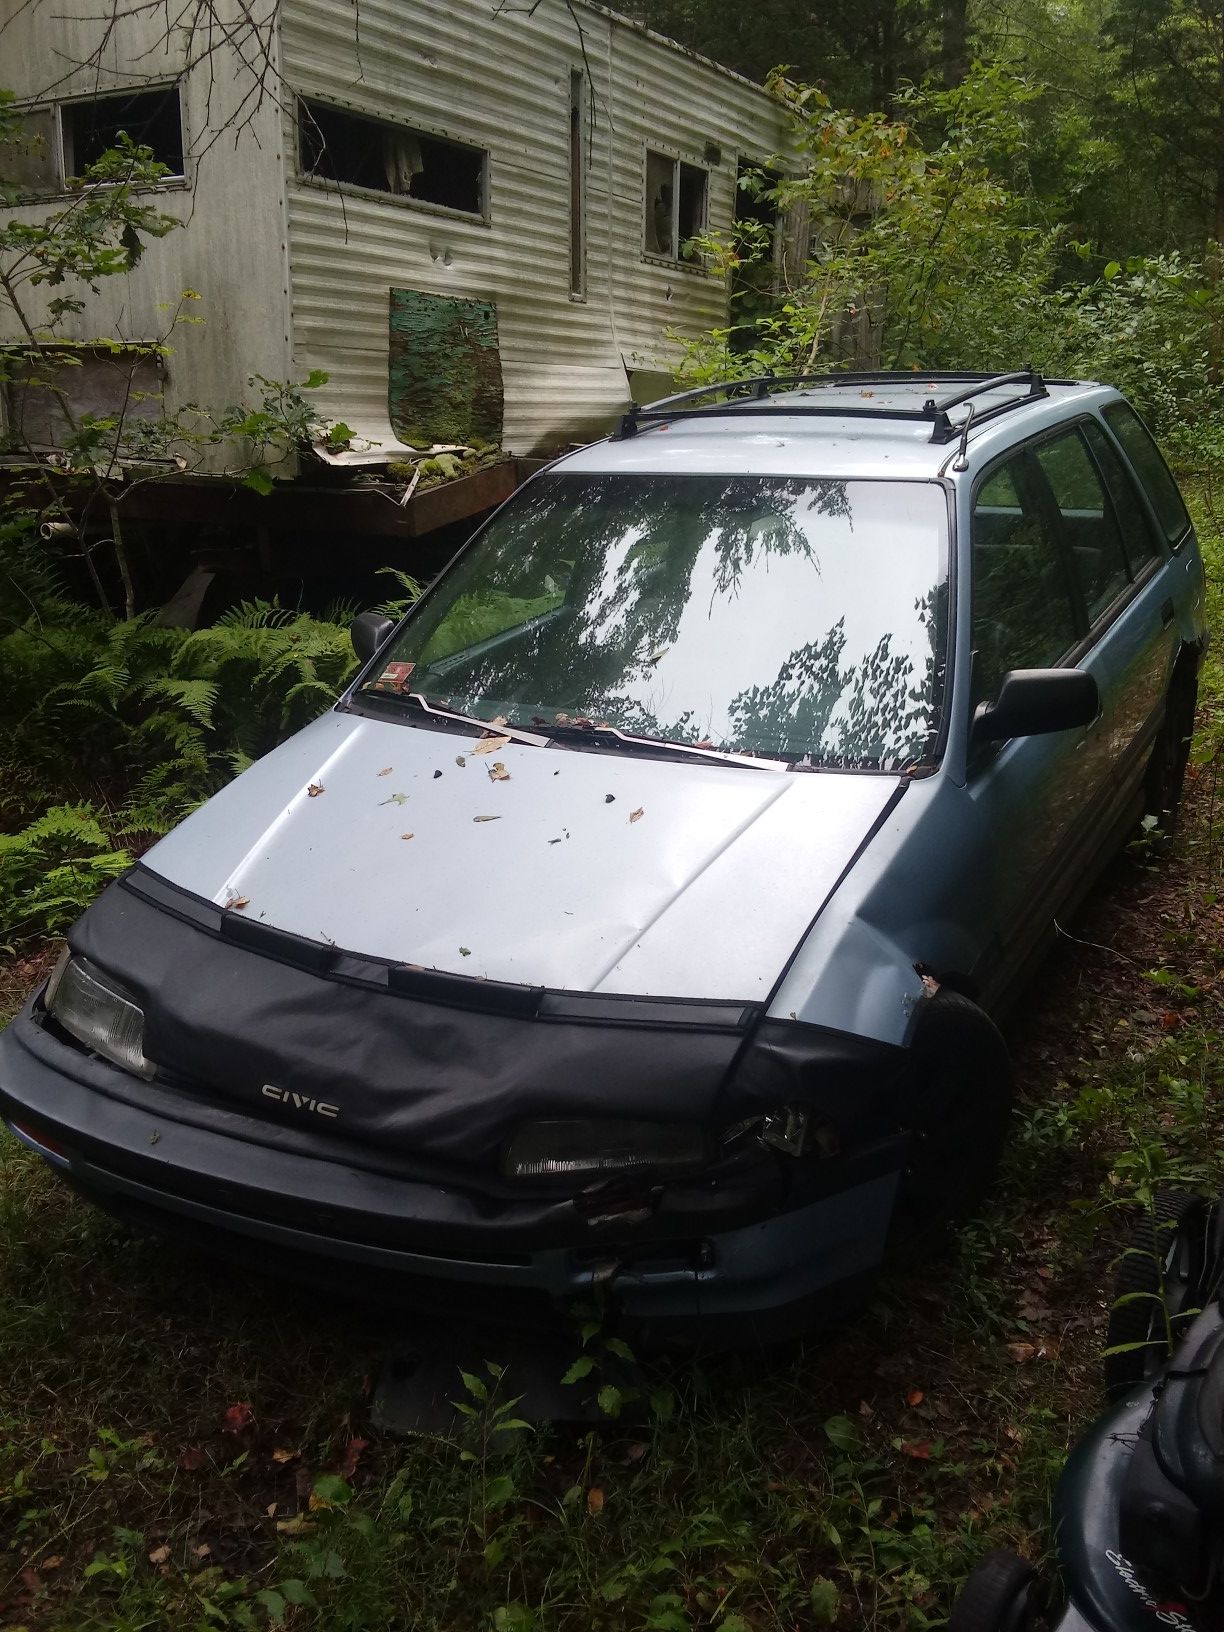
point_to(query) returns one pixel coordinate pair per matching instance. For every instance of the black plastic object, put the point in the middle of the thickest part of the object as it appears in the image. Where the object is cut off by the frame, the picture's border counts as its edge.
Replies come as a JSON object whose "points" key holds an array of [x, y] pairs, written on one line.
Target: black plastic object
{"points": [[999, 1596], [1159, 1280], [1035, 702], [368, 632], [756, 396]]}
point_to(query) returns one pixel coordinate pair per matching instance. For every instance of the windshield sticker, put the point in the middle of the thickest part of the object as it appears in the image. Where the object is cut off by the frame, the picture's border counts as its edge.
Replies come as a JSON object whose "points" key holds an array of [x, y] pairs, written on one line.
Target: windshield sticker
{"points": [[1167, 1614], [394, 677]]}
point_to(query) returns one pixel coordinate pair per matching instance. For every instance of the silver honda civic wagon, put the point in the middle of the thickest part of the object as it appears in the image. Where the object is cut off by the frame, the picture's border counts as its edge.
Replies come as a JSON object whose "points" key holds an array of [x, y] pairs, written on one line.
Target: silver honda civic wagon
{"points": [[638, 914]]}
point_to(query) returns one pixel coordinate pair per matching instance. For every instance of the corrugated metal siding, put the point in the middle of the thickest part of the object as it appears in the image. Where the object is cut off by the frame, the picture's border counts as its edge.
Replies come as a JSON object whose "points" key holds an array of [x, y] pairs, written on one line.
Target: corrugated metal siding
{"points": [[231, 248], [455, 68]]}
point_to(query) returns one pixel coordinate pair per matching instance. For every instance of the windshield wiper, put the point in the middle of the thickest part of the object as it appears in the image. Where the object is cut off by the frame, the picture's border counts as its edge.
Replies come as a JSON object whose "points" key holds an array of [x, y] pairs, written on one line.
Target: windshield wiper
{"points": [[416, 699], [609, 737]]}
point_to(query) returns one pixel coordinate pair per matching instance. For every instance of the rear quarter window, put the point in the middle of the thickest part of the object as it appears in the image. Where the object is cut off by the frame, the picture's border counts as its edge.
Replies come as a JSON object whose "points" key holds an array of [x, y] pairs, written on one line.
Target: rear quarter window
{"points": [[1149, 466]]}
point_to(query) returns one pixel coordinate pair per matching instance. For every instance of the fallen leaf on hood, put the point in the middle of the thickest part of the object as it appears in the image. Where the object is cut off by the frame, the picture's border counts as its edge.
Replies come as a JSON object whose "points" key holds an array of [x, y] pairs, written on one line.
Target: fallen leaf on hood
{"points": [[314, 790], [386, 770], [915, 1397], [159, 1555], [491, 745], [407, 835], [236, 903], [460, 760], [498, 719], [436, 775], [237, 1419], [395, 799], [595, 1501], [280, 1454], [486, 818], [636, 815], [609, 798], [465, 951], [498, 772]]}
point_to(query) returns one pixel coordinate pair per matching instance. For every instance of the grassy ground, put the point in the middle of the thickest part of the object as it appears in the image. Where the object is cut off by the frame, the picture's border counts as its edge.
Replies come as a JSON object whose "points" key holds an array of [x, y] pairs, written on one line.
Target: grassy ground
{"points": [[182, 1447]]}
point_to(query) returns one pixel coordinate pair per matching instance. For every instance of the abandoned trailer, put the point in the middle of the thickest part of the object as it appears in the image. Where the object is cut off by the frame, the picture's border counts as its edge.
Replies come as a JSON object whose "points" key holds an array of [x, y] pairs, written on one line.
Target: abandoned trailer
{"points": [[476, 221]]}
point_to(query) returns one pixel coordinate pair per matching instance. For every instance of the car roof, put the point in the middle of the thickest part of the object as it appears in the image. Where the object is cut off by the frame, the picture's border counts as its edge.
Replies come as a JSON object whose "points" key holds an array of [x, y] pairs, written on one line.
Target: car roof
{"points": [[836, 427]]}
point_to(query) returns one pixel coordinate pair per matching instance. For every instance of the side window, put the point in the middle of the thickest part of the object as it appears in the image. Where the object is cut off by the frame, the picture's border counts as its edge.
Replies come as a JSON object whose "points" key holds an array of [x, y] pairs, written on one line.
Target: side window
{"points": [[1138, 537], [1152, 471], [1089, 528], [1022, 612]]}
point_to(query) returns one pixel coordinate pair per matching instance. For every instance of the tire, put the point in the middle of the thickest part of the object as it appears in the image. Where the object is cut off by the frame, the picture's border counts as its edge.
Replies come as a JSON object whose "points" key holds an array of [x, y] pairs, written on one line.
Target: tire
{"points": [[1166, 772], [999, 1596], [962, 1109], [1168, 1259]]}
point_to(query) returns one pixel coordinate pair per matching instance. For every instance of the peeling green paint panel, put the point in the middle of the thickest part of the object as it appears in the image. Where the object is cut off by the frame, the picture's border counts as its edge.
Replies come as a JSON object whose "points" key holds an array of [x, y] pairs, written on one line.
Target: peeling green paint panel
{"points": [[444, 380]]}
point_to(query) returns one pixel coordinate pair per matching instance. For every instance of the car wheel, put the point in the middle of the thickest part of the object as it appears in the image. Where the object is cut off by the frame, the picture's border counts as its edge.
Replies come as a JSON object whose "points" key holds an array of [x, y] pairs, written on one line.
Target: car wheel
{"points": [[1166, 771], [1160, 1277], [962, 1108], [999, 1596]]}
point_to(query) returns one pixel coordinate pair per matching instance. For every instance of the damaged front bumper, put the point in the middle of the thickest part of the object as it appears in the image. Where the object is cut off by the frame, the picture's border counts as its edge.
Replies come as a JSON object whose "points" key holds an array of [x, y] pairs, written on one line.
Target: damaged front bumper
{"points": [[762, 1238]]}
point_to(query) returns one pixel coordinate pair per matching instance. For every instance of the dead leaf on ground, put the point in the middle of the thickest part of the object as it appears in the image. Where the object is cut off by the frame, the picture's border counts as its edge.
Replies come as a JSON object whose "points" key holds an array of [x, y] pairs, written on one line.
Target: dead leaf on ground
{"points": [[919, 1451], [351, 1455], [595, 1500], [1022, 1353], [281, 1454], [386, 770], [193, 1457], [299, 1525], [915, 1397], [486, 818], [202, 1551], [52, 1563], [491, 745], [270, 1510], [159, 1555], [314, 790], [635, 1453], [636, 815], [238, 1419], [866, 1411]]}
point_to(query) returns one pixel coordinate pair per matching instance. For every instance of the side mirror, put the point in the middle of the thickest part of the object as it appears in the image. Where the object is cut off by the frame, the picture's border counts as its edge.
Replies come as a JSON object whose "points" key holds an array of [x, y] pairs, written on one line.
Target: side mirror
{"points": [[368, 632], [1036, 702]]}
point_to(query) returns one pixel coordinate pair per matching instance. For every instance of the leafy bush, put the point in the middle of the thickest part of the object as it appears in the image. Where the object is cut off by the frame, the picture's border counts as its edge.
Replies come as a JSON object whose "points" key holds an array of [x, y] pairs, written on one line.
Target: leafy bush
{"points": [[110, 731]]}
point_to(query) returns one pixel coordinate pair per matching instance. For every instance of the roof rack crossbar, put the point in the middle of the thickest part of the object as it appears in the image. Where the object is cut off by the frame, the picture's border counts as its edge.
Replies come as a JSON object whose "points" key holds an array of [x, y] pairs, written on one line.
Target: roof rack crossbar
{"points": [[758, 391]]}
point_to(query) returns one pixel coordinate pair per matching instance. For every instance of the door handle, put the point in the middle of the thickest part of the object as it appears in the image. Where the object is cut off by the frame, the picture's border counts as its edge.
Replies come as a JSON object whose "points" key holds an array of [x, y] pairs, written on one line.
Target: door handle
{"points": [[1166, 614]]}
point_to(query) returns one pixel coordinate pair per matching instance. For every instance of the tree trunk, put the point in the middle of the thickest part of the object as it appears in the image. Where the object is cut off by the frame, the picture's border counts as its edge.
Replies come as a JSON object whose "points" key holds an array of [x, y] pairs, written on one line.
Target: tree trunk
{"points": [[954, 52], [883, 36]]}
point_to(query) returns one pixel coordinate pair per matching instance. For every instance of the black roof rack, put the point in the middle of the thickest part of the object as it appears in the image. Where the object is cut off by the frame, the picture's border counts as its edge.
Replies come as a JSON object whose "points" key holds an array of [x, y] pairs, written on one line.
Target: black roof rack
{"points": [[758, 392]]}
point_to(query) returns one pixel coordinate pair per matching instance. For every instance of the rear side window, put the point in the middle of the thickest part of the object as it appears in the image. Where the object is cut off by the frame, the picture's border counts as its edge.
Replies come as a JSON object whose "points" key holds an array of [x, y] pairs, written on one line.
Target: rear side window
{"points": [[1023, 616], [1089, 528], [1151, 469], [1138, 536]]}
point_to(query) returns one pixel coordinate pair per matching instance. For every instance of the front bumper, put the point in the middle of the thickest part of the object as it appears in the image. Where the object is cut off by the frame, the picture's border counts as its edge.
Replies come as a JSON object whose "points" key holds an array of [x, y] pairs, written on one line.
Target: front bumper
{"points": [[770, 1240]]}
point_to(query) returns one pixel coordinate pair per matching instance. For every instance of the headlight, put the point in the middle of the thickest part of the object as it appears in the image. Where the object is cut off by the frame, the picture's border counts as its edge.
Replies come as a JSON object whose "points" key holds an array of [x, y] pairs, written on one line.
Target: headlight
{"points": [[91, 1009], [592, 1150]]}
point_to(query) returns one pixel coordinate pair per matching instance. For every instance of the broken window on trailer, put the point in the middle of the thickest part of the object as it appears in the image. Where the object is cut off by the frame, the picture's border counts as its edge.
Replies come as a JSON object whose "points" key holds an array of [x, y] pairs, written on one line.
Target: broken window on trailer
{"points": [[29, 157], [676, 206], [48, 396], [351, 149], [152, 119]]}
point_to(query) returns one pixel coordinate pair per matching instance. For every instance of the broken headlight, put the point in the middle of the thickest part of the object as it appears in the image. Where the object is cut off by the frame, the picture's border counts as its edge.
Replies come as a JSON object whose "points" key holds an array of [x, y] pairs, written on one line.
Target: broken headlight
{"points": [[101, 1017], [598, 1149]]}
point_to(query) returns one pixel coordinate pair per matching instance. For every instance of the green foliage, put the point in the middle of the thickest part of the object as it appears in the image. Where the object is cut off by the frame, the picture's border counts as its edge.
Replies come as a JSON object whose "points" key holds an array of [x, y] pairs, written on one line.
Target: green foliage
{"points": [[122, 727]]}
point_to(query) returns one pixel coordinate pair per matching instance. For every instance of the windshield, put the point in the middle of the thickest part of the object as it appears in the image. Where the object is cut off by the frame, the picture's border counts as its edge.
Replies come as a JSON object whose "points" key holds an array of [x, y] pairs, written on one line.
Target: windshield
{"points": [[751, 614]]}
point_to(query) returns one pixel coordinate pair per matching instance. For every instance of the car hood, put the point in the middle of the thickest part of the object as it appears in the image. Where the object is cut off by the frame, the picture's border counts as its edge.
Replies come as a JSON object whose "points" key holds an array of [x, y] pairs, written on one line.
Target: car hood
{"points": [[575, 869]]}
